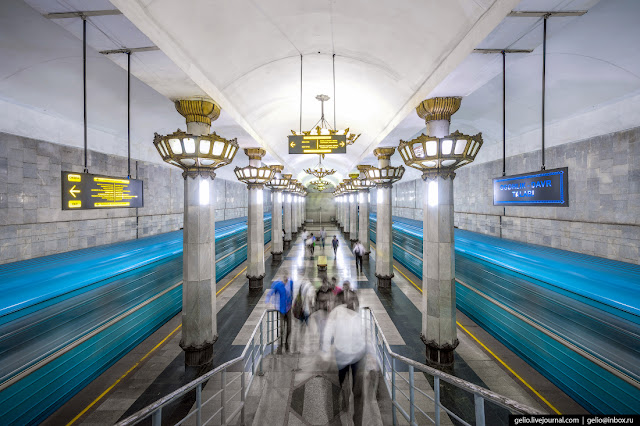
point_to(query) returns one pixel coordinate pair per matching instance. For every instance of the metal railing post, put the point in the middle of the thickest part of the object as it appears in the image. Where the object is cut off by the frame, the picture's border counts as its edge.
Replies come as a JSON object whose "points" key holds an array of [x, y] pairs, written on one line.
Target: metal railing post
{"points": [[479, 403], [253, 355], [242, 398], [436, 397], [272, 333], [199, 405], [156, 417], [223, 382], [261, 348], [412, 407], [393, 391]]}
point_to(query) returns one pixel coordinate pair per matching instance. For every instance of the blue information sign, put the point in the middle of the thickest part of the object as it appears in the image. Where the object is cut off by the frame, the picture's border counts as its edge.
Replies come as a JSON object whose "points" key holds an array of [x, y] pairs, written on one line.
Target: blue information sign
{"points": [[543, 188]]}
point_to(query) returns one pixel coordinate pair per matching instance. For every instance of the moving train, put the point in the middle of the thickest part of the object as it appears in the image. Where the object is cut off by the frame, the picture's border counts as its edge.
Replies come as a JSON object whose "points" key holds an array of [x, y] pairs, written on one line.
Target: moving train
{"points": [[575, 318], [66, 318]]}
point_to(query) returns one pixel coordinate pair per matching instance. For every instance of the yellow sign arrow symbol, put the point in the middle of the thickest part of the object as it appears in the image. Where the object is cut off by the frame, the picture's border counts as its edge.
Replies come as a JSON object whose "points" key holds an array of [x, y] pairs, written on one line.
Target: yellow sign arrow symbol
{"points": [[341, 144], [73, 191], [292, 144]]}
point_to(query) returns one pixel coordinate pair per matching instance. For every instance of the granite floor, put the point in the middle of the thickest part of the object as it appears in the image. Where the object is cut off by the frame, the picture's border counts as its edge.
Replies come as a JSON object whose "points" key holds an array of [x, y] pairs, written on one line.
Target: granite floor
{"points": [[301, 387]]}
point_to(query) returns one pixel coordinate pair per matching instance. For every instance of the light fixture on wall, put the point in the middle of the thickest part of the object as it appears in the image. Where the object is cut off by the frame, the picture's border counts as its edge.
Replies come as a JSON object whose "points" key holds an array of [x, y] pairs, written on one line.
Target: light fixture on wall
{"points": [[254, 175], [279, 181]]}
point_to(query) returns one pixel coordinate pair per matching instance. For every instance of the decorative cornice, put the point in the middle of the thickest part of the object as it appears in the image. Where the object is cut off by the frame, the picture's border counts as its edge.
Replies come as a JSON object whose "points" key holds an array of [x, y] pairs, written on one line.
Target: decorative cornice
{"points": [[384, 185], [255, 185], [438, 108], [199, 111], [384, 153], [435, 173], [202, 172], [255, 153]]}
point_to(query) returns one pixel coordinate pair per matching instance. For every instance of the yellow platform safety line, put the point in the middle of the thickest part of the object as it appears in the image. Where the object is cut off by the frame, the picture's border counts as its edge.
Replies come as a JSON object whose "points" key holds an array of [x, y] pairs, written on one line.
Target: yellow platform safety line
{"points": [[103, 394], [542, 398]]}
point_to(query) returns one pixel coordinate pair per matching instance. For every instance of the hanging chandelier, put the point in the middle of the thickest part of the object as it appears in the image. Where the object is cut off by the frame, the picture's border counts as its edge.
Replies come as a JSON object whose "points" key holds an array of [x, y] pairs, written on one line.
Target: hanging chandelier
{"points": [[319, 171], [322, 126]]}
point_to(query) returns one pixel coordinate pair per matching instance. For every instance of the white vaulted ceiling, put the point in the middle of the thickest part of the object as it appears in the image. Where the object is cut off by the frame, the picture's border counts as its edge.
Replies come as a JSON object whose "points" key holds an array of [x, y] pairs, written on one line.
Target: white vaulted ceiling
{"points": [[246, 55]]}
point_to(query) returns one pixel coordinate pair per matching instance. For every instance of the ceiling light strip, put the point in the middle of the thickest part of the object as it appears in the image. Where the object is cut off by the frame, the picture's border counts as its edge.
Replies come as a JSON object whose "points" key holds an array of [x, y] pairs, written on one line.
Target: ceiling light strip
{"points": [[538, 14], [130, 50]]}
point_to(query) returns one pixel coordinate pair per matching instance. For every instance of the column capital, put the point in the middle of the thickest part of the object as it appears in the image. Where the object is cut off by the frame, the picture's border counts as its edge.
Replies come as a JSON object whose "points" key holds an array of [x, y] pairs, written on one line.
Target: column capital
{"points": [[384, 185], [255, 185], [363, 190], [443, 173], [198, 110], [438, 108], [255, 153], [205, 173], [384, 153]]}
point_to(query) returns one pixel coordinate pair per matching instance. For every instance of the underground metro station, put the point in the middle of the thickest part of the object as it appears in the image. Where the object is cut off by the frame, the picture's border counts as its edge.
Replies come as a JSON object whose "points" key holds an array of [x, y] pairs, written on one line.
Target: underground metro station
{"points": [[318, 212]]}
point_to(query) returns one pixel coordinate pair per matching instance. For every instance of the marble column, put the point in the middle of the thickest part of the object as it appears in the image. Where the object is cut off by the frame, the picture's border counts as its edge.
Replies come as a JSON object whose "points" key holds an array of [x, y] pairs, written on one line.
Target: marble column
{"points": [[287, 219], [199, 326], [384, 239], [363, 220], [294, 216], [353, 217], [346, 216], [438, 272], [276, 226], [255, 224], [439, 332], [338, 201]]}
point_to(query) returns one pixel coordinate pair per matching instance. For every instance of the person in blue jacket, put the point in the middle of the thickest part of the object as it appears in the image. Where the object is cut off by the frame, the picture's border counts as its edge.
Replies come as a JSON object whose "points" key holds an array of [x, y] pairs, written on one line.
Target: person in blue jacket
{"points": [[281, 296]]}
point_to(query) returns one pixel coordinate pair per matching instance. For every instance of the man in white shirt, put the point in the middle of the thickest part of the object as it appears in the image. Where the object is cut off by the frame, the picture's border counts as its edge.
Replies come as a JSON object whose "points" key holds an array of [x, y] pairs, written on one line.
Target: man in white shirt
{"points": [[358, 251]]}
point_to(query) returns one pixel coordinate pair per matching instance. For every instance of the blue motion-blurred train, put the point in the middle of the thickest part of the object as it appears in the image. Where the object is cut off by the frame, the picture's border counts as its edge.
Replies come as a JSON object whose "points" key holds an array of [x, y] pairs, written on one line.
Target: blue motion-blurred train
{"points": [[66, 318], [573, 317]]}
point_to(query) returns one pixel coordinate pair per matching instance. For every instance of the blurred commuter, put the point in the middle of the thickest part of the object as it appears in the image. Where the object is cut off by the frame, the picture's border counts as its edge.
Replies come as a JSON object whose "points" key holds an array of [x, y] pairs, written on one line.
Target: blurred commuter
{"points": [[312, 246], [348, 297], [359, 251], [335, 243], [344, 329], [281, 296], [324, 300], [323, 235]]}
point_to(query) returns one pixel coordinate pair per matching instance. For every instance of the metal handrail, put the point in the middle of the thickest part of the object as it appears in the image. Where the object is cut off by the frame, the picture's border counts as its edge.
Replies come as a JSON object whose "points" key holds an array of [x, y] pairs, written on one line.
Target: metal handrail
{"points": [[154, 411], [480, 394]]}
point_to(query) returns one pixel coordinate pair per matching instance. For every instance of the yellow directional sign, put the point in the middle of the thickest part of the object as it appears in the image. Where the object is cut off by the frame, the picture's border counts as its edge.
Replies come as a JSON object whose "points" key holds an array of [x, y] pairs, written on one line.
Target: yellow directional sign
{"points": [[73, 191], [318, 144], [86, 191]]}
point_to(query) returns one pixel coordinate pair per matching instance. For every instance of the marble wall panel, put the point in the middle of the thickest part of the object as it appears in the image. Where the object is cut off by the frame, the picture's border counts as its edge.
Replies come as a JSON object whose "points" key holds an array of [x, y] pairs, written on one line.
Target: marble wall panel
{"points": [[603, 217], [32, 222]]}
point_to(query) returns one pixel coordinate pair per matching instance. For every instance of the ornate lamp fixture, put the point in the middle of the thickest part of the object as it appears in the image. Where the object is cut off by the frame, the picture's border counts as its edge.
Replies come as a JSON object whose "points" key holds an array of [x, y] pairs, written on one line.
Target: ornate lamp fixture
{"points": [[319, 171], [322, 126], [195, 154], [442, 156], [386, 175], [362, 183], [252, 175], [279, 181]]}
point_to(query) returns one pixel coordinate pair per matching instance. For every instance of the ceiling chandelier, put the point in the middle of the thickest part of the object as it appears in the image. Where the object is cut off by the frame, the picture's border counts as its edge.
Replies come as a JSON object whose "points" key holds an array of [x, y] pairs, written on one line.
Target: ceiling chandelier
{"points": [[319, 171], [322, 126], [319, 184]]}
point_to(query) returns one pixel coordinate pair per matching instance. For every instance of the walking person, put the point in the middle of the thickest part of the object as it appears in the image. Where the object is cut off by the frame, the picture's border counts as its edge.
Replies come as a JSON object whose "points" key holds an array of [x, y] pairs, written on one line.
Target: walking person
{"points": [[358, 251], [335, 243], [323, 235], [313, 244], [344, 328], [324, 298], [281, 297]]}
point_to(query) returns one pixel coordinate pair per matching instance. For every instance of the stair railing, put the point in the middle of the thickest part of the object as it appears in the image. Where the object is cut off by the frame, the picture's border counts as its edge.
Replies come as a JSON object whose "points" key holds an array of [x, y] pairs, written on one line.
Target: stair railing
{"points": [[265, 334]]}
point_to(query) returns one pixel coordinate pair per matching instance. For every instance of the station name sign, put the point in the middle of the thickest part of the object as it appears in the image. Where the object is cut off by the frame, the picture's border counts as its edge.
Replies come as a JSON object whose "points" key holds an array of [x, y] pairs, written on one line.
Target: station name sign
{"points": [[318, 144], [543, 188], [82, 191]]}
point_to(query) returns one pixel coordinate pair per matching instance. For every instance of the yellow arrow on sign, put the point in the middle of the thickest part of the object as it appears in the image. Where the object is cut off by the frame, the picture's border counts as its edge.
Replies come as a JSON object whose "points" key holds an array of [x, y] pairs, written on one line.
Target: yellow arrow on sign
{"points": [[292, 144], [341, 144], [73, 191]]}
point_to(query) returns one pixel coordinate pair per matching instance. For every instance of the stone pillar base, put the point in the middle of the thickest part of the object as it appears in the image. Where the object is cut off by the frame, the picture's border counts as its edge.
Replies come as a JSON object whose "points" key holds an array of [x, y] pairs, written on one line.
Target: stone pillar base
{"points": [[294, 235], [439, 356], [276, 257], [197, 356], [346, 235], [384, 281], [255, 283], [287, 244]]}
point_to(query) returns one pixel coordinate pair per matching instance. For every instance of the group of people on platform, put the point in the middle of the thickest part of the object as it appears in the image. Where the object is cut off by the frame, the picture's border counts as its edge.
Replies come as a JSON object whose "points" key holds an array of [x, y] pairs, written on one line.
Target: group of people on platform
{"points": [[335, 310], [310, 243]]}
